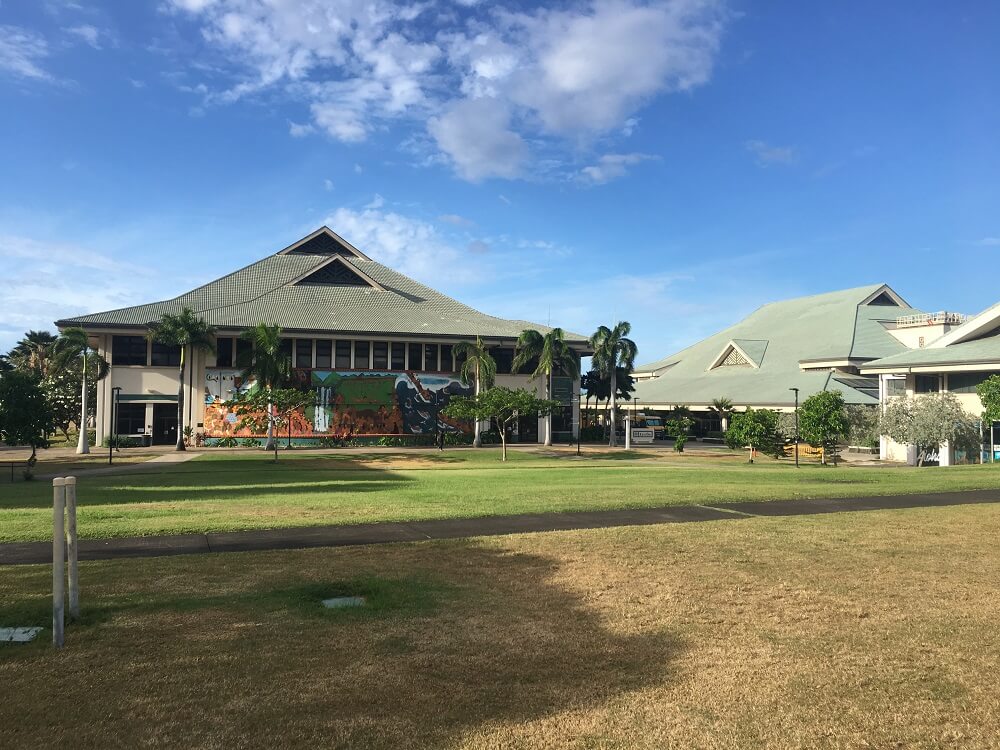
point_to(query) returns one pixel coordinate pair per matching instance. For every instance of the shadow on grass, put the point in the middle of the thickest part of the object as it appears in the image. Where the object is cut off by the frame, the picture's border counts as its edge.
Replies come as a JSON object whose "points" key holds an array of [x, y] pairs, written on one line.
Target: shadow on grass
{"points": [[458, 639]]}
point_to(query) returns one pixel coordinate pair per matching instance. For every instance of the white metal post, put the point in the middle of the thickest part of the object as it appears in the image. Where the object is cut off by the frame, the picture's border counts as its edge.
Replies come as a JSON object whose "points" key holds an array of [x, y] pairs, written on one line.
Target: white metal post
{"points": [[58, 560], [71, 549], [628, 432]]}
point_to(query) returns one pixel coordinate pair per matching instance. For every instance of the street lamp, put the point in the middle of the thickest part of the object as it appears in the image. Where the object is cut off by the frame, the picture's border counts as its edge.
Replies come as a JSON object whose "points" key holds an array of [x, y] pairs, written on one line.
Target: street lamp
{"points": [[796, 426], [113, 436]]}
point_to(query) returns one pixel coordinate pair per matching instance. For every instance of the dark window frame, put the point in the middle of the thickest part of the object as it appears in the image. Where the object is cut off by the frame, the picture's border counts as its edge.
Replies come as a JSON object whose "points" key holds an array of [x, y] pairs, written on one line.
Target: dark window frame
{"points": [[324, 354], [363, 361], [300, 350], [397, 355], [342, 355], [164, 355], [127, 354]]}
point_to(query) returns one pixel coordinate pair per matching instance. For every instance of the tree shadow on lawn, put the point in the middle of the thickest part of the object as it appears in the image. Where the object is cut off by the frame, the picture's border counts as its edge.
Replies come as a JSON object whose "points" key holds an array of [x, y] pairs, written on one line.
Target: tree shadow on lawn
{"points": [[228, 481], [460, 639]]}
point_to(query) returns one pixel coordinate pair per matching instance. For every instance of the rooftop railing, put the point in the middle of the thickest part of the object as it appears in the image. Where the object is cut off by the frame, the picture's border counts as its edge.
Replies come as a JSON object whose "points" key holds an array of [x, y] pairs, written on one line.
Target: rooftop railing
{"points": [[931, 319]]}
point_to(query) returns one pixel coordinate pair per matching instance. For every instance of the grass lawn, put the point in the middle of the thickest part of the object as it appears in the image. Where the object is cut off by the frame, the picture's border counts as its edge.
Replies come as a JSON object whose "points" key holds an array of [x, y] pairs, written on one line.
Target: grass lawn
{"points": [[856, 630], [227, 491]]}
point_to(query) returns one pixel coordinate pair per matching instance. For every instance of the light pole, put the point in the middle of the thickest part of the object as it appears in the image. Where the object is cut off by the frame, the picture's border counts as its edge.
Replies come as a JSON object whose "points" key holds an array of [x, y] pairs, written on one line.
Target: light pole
{"points": [[796, 426]]}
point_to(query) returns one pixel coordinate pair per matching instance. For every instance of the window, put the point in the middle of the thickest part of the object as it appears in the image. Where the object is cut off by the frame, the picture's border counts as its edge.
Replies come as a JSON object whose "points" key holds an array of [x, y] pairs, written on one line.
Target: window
{"points": [[164, 355], [303, 353], [927, 384], [504, 358], [131, 419], [324, 353], [286, 349], [895, 387], [361, 350], [446, 363], [224, 352], [416, 357], [966, 382], [431, 357], [398, 355], [343, 358], [380, 355], [128, 350], [244, 354]]}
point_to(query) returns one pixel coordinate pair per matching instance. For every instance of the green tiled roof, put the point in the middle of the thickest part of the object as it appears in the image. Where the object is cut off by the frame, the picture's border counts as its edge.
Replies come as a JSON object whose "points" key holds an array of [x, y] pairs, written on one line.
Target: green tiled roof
{"points": [[980, 351], [777, 337], [266, 292]]}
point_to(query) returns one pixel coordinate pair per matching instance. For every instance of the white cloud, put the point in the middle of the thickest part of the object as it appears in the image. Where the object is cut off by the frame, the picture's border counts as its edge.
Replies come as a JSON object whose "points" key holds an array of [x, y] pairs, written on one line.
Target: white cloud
{"points": [[89, 34], [328, 185], [300, 130], [476, 136], [765, 154], [21, 51], [478, 247], [486, 80], [456, 220], [611, 167]]}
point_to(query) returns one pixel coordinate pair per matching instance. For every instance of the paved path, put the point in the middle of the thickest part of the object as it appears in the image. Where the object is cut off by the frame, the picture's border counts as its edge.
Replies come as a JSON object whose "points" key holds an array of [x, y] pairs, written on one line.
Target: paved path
{"points": [[415, 531]]}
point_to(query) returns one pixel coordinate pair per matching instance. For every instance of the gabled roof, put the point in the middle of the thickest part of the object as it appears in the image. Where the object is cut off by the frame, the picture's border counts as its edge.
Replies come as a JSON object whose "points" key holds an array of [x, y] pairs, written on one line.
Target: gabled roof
{"points": [[850, 324], [288, 289]]}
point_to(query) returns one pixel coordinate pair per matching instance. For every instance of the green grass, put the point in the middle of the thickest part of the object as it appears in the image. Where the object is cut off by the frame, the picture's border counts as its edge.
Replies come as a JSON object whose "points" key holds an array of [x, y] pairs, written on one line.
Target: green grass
{"points": [[853, 630], [233, 491]]}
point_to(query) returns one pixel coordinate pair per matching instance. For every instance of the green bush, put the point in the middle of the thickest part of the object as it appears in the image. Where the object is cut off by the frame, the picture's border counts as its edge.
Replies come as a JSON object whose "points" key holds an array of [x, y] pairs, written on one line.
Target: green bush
{"points": [[122, 441], [227, 442], [592, 434], [251, 443]]}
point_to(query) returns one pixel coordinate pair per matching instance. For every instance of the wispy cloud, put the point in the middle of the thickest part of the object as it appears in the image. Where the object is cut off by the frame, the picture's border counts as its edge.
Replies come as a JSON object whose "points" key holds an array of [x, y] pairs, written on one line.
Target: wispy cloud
{"points": [[767, 155], [21, 53], [611, 167], [88, 34]]}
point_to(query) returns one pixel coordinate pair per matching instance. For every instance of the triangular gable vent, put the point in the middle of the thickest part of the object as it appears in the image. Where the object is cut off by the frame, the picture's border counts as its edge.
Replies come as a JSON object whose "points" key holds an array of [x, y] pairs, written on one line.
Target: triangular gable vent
{"points": [[324, 241], [884, 300], [337, 273], [733, 359], [741, 353]]}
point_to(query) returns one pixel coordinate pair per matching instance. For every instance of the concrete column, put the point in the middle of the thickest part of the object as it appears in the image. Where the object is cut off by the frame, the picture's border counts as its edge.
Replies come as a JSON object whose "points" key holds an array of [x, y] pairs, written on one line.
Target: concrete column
{"points": [[103, 414]]}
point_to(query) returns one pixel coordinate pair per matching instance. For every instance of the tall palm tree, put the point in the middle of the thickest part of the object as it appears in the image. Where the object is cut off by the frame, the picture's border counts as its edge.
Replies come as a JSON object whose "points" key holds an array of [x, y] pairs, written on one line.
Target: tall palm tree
{"points": [[69, 352], [33, 353], [191, 334], [478, 365], [268, 365], [552, 353], [724, 408], [613, 350]]}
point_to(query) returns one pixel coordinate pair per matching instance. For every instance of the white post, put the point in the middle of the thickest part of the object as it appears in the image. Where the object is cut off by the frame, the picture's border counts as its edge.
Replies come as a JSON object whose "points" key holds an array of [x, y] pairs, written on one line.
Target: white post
{"points": [[628, 432], [71, 549], [58, 560]]}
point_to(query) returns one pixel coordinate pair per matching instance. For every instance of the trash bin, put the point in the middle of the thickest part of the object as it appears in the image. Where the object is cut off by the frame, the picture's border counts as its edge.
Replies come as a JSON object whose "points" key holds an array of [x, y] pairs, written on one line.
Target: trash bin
{"points": [[147, 441]]}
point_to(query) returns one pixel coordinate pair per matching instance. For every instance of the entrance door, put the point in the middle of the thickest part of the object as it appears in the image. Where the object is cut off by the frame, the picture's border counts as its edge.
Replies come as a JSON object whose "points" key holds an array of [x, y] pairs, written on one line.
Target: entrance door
{"points": [[527, 429], [164, 424]]}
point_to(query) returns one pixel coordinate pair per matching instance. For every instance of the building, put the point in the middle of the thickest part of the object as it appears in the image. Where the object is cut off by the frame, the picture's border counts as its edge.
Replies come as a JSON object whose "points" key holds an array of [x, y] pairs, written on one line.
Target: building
{"points": [[812, 344], [946, 353], [374, 345]]}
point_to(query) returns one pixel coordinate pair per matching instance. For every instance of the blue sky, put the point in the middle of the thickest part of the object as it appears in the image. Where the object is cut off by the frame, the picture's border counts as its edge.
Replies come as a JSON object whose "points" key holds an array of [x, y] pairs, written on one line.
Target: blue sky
{"points": [[675, 164]]}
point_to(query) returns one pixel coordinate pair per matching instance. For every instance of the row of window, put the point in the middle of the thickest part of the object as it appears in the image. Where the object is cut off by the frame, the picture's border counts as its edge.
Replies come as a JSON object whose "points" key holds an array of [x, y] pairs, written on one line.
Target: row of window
{"points": [[958, 382], [322, 354], [138, 350]]}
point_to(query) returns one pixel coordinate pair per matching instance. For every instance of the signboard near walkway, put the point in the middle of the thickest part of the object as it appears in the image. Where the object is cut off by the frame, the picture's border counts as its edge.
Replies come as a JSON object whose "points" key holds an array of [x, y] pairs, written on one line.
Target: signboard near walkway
{"points": [[643, 435]]}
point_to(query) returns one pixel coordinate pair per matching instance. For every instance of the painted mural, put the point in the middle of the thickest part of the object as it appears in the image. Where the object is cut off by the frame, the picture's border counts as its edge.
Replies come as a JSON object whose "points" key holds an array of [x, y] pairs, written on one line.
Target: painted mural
{"points": [[348, 404]]}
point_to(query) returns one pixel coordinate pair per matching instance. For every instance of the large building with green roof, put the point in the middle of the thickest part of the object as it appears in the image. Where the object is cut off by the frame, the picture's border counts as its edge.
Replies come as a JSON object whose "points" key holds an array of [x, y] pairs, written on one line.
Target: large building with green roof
{"points": [[375, 345], [812, 344]]}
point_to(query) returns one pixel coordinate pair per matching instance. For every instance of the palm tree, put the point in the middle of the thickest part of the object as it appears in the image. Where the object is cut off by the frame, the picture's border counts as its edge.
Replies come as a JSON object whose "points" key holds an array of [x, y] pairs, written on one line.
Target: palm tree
{"points": [[190, 333], [552, 353], [33, 353], [269, 366], [613, 351], [724, 408], [70, 351], [480, 366]]}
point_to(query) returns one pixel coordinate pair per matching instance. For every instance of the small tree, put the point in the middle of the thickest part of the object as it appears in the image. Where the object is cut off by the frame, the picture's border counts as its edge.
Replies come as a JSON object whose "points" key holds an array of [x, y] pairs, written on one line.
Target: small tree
{"points": [[502, 404], [266, 409], [754, 428], [823, 420], [863, 421], [479, 366], [267, 365], [71, 352], [989, 394], [24, 413], [929, 421], [679, 429], [724, 408]]}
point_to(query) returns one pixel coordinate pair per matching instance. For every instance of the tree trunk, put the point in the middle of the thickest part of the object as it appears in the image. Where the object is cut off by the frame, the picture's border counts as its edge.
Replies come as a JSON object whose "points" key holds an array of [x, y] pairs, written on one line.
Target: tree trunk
{"points": [[270, 443], [180, 403], [503, 441], [82, 443], [548, 417], [477, 439], [614, 422], [751, 452]]}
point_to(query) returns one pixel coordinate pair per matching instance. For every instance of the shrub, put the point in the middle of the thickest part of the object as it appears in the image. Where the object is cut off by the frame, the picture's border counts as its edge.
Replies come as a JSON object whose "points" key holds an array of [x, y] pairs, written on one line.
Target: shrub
{"points": [[250, 443], [122, 441], [227, 442]]}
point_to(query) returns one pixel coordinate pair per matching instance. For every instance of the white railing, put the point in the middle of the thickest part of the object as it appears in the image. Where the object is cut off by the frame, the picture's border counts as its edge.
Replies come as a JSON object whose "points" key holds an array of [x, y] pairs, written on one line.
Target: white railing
{"points": [[930, 319]]}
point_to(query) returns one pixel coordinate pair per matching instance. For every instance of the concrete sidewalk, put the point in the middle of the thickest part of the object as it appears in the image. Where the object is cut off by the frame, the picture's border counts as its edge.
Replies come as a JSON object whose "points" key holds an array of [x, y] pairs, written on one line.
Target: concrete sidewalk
{"points": [[415, 531]]}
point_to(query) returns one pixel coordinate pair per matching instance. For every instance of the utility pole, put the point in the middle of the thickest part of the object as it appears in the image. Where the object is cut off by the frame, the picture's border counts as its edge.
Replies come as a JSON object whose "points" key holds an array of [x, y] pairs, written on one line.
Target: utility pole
{"points": [[796, 426]]}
